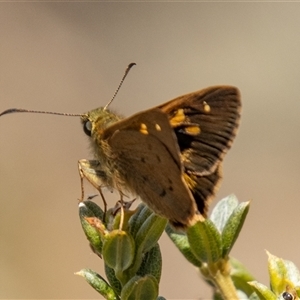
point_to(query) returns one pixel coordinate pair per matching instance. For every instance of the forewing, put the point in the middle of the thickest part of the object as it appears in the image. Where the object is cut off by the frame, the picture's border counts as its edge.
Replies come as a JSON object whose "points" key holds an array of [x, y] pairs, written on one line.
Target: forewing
{"points": [[146, 156]]}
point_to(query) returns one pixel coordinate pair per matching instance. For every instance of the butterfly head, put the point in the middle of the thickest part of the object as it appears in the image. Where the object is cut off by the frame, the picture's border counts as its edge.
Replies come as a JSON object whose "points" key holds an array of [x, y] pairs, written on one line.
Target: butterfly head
{"points": [[96, 120]]}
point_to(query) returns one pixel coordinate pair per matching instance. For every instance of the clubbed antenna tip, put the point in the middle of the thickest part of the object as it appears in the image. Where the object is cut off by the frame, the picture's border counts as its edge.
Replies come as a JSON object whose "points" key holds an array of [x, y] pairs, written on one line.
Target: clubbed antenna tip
{"points": [[117, 90]]}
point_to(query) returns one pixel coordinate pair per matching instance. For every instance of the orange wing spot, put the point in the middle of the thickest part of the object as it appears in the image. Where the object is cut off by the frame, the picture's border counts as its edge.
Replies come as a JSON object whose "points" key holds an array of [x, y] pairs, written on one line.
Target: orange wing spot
{"points": [[206, 107], [178, 118], [191, 183], [192, 130], [157, 127], [144, 129]]}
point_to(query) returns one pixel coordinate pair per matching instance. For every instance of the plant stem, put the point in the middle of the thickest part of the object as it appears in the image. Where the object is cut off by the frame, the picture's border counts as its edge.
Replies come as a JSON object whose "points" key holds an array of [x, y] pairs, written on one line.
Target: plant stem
{"points": [[218, 274], [225, 285]]}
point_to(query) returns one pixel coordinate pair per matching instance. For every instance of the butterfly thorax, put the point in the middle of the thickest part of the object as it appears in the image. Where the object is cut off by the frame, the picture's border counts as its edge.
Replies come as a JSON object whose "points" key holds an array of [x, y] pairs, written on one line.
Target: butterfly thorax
{"points": [[95, 123]]}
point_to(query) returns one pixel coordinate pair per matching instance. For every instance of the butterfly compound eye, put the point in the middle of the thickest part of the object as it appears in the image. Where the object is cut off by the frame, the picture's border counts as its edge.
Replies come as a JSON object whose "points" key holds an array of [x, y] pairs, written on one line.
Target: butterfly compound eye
{"points": [[87, 127]]}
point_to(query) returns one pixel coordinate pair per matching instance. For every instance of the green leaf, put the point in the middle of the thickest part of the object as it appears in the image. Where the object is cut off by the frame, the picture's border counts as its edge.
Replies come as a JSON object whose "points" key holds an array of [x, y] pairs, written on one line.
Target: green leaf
{"points": [[205, 241], [145, 288], [278, 274], [233, 227], [136, 221], [112, 279], [262, 291], [180, 240], [151, 263], [292, 273], [223, 210], [94, 208], [150, 232], [118, 251], [240, 276], [253, 296], [98, 283], [93, 235]]}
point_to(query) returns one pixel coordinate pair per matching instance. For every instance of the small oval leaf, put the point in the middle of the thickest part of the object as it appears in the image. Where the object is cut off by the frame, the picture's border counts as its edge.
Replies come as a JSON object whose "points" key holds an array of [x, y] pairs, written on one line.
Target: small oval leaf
{"points": [[293, 273], [150, 232], [112, 279], [180, 240], [277, 273], [205, 241], [262, 291], [145, 288], [223, 210], [98, 283], [233, 227], [92, 234], [151, 263], [118, 250], [240, 276], [94, 208], [138, 218]]}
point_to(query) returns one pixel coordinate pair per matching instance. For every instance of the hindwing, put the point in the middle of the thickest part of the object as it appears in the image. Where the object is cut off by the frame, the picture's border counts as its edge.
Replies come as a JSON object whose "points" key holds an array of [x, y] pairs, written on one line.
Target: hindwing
{"points": [[205, 123]]}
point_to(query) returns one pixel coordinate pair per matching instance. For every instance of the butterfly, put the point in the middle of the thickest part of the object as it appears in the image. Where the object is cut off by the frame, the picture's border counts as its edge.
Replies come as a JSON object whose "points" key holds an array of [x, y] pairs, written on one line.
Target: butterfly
{"points": [[170, 155]]}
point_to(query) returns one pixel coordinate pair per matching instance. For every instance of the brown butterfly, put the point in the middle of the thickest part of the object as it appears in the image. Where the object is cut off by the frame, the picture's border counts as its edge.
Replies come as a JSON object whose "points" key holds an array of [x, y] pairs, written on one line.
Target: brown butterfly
{"points": [[170, 155]]}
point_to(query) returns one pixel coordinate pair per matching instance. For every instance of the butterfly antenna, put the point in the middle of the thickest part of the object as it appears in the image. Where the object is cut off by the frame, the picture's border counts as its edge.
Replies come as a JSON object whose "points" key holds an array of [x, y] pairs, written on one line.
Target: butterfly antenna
{"points": [[18, 110], [117, 90]]}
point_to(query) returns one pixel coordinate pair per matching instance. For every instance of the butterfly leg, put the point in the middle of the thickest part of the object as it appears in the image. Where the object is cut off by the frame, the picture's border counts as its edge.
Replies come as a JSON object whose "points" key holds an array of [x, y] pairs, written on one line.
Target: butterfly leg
{"points": [[91, 170], [122, 212], [122, 206]]}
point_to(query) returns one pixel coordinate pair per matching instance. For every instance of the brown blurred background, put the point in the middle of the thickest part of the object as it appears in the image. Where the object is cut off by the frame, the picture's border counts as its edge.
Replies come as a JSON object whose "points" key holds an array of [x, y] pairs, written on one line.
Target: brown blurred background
{"points": [[70, 57]]}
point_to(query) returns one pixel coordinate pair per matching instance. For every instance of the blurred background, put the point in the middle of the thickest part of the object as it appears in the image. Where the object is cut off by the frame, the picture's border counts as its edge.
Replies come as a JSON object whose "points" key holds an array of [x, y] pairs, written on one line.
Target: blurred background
{"points": [[70, 57]]}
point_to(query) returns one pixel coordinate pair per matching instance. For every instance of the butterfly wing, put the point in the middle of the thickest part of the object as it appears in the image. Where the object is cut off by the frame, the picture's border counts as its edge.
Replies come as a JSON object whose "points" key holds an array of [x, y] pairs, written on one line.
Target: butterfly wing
{"points": [[147, 162], [205, 123]]}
